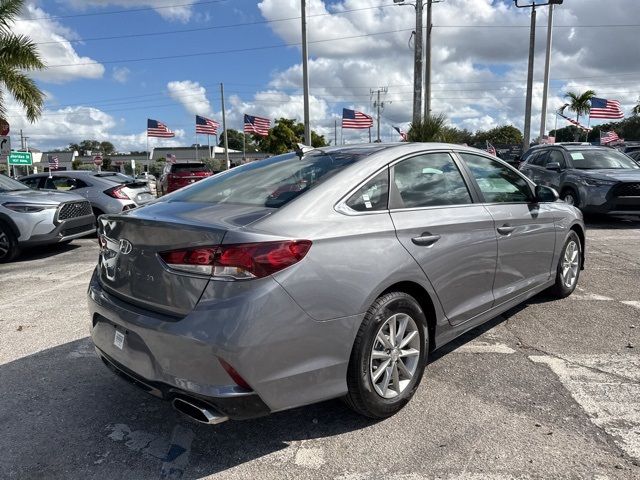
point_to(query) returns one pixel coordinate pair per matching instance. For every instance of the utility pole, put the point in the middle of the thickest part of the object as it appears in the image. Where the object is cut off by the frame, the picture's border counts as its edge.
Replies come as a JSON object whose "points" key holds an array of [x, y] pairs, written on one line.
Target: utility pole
{"points": [[224, 126], [379, 106], [427, 65], [305, 73], [532, 43], [547, 62], [417, 60]]}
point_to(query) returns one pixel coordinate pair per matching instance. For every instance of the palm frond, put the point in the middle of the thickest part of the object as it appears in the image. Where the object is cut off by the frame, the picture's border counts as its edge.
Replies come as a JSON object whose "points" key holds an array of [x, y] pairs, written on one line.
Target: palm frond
{"points": [[9, 10], [24, 90], [19, 51], [429, 129]]}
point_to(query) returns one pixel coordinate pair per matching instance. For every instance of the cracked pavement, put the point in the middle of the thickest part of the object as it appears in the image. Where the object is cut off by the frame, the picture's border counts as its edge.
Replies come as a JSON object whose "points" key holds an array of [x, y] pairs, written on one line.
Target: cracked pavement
{"points": [[551, 389]]}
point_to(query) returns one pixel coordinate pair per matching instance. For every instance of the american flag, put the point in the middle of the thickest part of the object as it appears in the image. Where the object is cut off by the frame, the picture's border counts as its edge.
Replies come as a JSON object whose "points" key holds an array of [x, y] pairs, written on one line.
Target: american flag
{"points": [[403, 134], [257, 125], [53, 162], [354, 119], [171, 158], [608, 137], [206, 125], [491, 149], [158, 129], [603, 108]]}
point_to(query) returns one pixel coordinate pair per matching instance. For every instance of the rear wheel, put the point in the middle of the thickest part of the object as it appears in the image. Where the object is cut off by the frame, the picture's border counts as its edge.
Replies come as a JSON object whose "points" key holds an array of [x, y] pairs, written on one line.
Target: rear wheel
{"points": [[388, 357], [568, 270], [9, 248]]}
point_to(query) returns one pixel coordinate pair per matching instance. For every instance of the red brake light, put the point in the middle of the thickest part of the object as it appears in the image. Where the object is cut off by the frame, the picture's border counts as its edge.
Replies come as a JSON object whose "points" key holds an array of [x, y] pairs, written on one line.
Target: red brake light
{"points": [[116, 192], [235, 376], [242, 261]]}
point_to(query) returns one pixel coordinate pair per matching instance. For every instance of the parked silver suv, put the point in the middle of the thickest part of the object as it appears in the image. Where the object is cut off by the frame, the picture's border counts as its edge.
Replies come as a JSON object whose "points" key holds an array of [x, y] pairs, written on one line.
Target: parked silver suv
{"points": [[108, 192], [29, 218]]}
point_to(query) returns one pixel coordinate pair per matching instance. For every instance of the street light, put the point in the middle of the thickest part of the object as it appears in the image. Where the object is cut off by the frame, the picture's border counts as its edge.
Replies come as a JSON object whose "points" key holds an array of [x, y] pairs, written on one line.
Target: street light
{"points": [[532, 42]]}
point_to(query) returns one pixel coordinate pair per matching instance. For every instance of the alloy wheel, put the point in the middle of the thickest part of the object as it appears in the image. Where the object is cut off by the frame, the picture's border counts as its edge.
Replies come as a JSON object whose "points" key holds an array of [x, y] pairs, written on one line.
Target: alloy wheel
{"points": [[568, 198], [394, 355], [570, 264]]}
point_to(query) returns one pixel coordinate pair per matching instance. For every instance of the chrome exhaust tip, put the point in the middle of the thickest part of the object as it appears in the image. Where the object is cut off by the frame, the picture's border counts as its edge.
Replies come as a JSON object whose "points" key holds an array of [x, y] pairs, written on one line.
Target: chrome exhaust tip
{"points": [[198, 411]]}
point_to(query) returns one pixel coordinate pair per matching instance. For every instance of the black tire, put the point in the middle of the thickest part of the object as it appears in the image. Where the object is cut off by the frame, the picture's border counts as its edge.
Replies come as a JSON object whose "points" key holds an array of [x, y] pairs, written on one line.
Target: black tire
{"points": [[570, 196], [560, 289], [362, 396], [9, 248]]}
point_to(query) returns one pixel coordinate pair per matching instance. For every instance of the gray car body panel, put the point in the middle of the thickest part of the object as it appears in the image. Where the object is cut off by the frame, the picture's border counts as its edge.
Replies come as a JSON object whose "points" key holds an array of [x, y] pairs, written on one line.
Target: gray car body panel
{"points": [[95, 191], [290, 335]]}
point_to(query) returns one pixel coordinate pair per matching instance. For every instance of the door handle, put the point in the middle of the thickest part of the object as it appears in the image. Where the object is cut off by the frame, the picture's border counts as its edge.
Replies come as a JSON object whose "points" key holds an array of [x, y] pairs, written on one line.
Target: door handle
{"points": [[505, 229], [426, 239]]}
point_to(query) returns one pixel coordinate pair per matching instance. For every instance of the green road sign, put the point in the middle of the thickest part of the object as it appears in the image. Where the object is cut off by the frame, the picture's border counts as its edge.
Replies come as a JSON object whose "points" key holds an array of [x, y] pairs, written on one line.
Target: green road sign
{"points": [[20, 158]]}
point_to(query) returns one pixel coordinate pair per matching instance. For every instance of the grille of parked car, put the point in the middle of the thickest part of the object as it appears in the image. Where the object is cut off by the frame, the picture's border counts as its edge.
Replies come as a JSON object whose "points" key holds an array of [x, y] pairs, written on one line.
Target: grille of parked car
{"points": [[628, 190], [74, 209]]}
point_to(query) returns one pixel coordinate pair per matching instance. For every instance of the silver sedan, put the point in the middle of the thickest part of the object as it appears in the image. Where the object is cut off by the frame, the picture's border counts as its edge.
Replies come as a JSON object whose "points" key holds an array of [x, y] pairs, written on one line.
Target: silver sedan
{"points": [[320, 274]]}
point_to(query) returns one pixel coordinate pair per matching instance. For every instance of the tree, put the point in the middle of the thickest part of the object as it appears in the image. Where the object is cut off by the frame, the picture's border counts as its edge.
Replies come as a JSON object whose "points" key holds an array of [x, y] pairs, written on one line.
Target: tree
{"points": [[18, 54], [635, 111], [284, 136], [430, 129], [580, 102], [235, 140], [107, 148], [503, 135]]}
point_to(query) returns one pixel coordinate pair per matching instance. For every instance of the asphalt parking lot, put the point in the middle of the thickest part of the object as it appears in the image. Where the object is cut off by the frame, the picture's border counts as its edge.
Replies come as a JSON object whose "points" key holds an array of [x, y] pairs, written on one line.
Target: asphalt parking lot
{"points": [[549, 390]]}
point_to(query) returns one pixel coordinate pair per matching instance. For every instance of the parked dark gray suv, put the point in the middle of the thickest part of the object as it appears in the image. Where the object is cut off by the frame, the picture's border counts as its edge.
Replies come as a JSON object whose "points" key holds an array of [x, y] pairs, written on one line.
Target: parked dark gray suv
{"points": [[594, 179]]}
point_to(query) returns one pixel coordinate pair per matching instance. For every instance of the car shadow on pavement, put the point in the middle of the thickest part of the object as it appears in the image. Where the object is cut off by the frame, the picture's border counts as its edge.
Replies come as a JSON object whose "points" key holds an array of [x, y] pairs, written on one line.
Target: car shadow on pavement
{"points": [[601, 222], [45, 251], [63, 414]]}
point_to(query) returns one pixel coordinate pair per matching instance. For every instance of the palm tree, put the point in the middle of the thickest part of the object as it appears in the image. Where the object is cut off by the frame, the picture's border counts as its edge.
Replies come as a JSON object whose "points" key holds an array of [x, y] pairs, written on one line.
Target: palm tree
{"points": [[17, 55], [430, 129], [579, 102], [635, 111]]}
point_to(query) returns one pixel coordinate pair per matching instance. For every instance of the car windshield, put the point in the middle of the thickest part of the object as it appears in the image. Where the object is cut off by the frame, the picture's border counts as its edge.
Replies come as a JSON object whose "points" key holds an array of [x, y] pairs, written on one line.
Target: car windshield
{"points": [[272, 182], [9, 184], [599, 158]]}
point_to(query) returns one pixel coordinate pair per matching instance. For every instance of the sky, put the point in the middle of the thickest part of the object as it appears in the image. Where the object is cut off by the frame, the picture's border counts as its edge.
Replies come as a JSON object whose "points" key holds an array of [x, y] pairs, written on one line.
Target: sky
{"points": [[114, 63]]}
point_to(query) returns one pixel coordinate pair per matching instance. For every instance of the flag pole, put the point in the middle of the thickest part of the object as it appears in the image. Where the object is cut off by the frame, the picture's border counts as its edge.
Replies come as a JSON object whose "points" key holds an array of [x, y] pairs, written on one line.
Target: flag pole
{"points": [[197, 147], [209, 144], [369, 134], [224, 126], [244, 147]]}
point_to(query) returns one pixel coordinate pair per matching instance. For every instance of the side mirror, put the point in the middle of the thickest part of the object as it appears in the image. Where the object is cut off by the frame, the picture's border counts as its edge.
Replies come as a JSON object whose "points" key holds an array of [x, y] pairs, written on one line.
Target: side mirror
{"points": [[553, 166], [546, 194]]}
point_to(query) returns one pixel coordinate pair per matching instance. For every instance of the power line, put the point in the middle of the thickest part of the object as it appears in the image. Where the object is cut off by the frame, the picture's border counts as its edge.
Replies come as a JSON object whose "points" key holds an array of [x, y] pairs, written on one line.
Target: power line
{"points": [[129, 10], [203, 29]]}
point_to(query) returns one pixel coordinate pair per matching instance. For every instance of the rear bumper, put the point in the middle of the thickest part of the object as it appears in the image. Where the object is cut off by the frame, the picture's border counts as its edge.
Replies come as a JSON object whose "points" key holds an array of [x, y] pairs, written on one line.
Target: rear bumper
{"points": [[286, 357]]}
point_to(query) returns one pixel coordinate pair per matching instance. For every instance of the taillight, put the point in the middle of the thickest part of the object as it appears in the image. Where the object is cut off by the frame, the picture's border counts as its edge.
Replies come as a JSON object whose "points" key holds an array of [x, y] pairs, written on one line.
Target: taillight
{"points": [[242, 261], [116, 192]]}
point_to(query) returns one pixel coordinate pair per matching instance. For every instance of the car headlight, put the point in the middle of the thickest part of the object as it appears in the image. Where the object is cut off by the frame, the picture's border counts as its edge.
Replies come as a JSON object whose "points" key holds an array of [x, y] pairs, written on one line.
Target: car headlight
{"points": [[27, 207], [596, 182]]}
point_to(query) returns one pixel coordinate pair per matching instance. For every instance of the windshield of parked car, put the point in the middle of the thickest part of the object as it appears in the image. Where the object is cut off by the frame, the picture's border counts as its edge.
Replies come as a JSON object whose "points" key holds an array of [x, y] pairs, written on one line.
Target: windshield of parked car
{"points": [[9, 184], [600, 158], [272, 182]]}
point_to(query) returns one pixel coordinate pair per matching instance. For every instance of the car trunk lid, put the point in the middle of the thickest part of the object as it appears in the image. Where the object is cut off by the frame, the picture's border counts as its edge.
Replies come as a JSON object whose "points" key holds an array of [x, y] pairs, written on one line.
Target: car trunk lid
{"points": [[130, 267]]}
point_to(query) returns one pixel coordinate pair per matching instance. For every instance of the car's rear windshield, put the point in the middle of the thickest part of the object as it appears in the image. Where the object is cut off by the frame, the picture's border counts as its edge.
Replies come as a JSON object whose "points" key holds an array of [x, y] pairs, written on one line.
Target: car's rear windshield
{"points": [[115, 177], [272, 182], [188, 167], [9, 184], [600, 158]]}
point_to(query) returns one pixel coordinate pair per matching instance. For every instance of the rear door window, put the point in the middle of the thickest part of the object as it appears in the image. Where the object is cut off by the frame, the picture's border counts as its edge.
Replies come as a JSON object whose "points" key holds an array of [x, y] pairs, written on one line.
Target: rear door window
{"points": [[429, 180], [31, 182]]}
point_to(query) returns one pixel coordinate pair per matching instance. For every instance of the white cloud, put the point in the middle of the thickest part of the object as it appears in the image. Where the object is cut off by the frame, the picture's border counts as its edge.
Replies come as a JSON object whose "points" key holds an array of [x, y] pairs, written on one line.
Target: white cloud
{"points": [[120, 74], [478, 74], [191, 95], [53, 45], [168, 9]]}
